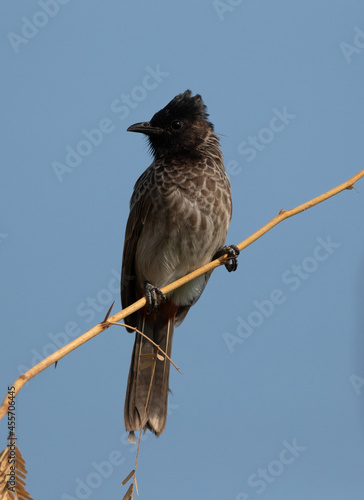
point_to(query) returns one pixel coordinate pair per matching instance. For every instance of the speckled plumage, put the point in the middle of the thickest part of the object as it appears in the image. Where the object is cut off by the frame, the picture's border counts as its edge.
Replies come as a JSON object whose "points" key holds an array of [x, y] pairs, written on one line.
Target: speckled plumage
{"points": [[180, 212]]}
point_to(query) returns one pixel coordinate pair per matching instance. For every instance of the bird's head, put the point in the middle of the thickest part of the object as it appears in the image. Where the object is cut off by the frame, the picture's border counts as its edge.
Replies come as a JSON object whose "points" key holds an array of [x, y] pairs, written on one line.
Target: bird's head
{"points": [[180, 128]]}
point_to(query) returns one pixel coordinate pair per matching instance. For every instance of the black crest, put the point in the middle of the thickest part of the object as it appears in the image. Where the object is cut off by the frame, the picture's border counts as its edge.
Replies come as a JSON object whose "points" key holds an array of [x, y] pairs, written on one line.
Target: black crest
{"points": [[183, 106], [180, 128]]}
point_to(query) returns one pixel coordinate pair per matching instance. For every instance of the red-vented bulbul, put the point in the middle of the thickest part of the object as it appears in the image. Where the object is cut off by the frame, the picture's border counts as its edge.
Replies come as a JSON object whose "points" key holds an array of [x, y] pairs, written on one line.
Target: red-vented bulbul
{"points": [[180, 212]]}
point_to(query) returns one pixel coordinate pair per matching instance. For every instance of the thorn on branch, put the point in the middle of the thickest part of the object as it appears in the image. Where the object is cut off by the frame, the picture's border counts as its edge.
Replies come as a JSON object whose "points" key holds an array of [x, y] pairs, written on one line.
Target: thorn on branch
{"points": [[105, 323], [352, 187], [282, 211], [108, 312]]}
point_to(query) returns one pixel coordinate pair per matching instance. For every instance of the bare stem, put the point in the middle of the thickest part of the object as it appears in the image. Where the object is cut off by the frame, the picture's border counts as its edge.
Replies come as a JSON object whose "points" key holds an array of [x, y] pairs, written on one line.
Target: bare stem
{"points": [[56, 356]]}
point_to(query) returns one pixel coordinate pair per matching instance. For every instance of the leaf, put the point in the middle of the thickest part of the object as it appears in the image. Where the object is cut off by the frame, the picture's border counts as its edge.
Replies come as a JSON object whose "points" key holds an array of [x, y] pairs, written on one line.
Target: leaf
{"points": [[128, 477], [129, 494], [149, 355], [19, 472], [147, 364]]}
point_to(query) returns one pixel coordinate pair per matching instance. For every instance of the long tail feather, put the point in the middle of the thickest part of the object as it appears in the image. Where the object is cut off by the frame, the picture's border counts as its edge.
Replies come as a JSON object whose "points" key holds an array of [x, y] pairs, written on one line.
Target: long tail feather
{"points": [[141, 412]]}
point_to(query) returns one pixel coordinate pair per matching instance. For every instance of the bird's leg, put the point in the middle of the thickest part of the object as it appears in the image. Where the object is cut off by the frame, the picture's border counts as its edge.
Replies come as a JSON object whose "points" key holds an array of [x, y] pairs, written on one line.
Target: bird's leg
{"points": [[232, 253], [153, 296]]}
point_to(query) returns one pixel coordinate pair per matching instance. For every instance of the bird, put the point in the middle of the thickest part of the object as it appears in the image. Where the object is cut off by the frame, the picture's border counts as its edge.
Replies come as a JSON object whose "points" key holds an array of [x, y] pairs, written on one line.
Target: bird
{"points": [[180, 211]]}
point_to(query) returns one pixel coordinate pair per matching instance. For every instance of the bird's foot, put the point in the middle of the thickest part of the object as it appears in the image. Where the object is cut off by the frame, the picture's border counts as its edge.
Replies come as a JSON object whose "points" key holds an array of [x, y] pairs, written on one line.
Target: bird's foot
{"points": [[232, 252], [153, 296]]}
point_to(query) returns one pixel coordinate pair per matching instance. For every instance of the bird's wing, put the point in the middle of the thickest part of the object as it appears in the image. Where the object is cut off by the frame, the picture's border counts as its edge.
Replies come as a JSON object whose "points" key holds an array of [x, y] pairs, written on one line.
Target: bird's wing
{"points": [[140, 205]]}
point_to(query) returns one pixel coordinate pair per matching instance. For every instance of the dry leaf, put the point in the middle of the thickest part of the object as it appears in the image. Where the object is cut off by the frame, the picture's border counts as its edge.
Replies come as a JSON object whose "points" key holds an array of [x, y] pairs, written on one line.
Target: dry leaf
{"points": [[147, 364], [149, 355], [127, 477], [129, 494], [13, 490]]}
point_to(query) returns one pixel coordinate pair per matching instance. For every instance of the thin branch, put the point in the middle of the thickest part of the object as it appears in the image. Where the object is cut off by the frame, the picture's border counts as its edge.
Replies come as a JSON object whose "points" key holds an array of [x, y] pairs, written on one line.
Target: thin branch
{"points": [[144, 415], [23, 379], [133, 472]]}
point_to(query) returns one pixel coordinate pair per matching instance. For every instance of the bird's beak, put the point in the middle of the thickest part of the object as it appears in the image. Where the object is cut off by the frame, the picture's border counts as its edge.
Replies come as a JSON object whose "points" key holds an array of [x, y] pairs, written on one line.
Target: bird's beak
{"points": [[145, 128]]}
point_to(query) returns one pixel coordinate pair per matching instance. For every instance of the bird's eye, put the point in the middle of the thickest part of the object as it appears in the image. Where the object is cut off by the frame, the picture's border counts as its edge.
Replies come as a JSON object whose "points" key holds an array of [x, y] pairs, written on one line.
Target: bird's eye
{"points": [[176, 125]]}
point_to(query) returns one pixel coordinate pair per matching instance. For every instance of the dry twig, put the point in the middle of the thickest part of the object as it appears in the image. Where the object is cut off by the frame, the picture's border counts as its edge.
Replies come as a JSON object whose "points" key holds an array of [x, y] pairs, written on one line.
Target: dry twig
{"points": [[53, 358]]}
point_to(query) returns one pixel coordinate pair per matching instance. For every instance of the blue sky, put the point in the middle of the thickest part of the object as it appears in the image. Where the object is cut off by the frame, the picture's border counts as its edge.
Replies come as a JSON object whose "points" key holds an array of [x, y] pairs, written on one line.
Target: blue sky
{"points": [[271, 401]]}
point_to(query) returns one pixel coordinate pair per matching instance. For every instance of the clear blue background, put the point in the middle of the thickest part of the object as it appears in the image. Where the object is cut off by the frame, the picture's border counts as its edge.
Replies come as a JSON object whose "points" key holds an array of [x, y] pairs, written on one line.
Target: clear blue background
{"points": [[300, 374]]}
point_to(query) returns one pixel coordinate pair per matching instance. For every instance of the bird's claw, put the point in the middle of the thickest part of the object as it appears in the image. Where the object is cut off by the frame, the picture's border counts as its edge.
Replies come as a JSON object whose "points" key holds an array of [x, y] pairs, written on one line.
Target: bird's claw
{"points": [[153, 296], [232, 252]]}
